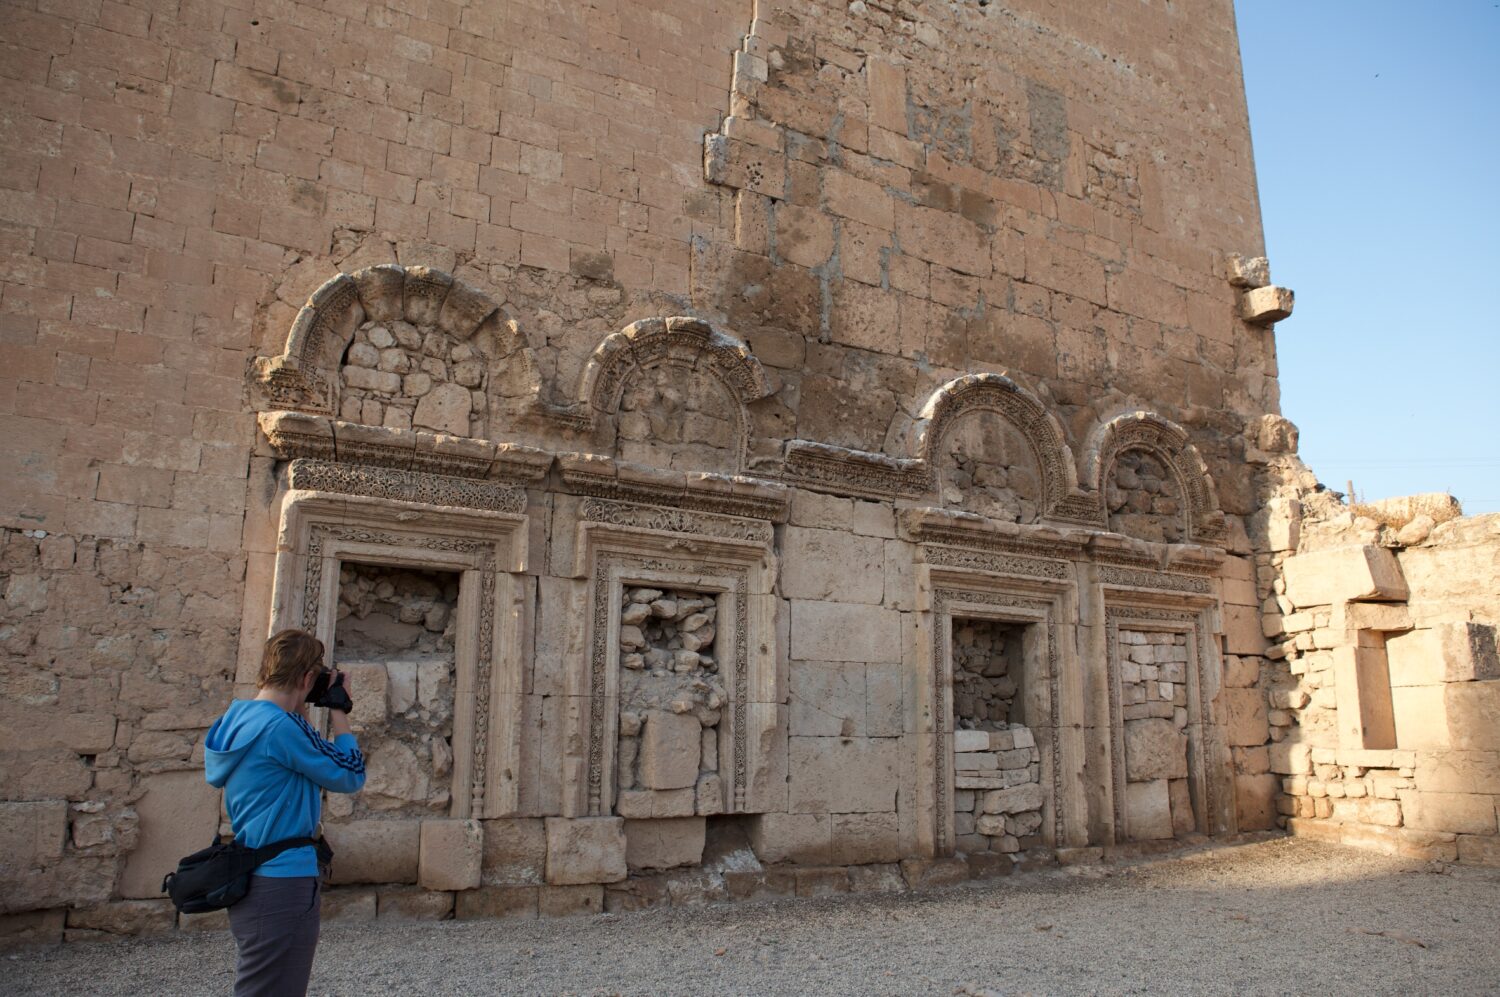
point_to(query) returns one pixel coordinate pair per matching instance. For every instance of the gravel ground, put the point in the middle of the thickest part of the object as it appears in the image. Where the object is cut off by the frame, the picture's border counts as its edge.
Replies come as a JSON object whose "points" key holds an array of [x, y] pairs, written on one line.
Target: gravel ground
{"points": [[1279, 917]]}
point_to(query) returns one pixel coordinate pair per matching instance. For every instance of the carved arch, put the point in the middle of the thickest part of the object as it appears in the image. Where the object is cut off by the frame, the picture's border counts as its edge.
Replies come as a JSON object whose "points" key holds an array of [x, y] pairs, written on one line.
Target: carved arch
{"points": [[676, 341], [303, 377], [998, 393], [679, 340], [1170, 443]]}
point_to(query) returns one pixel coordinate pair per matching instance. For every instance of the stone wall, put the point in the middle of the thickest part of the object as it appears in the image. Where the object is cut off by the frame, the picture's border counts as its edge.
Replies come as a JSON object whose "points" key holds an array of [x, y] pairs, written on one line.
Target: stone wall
{"points": [[1386, 679], [729, 285]]}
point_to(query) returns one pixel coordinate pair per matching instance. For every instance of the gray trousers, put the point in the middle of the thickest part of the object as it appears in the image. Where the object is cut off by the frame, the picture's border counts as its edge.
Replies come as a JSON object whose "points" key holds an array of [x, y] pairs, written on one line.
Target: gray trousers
{"points": [[276, 930]]}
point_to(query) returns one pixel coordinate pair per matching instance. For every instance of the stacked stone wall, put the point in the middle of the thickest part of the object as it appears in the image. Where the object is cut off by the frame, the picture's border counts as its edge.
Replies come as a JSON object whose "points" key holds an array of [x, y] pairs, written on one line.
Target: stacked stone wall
{"points": [[872, 202]]}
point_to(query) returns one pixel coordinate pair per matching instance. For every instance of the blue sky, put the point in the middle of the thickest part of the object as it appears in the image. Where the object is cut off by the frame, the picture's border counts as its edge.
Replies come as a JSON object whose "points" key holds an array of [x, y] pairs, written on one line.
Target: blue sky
{"points": [[1377, 144]]}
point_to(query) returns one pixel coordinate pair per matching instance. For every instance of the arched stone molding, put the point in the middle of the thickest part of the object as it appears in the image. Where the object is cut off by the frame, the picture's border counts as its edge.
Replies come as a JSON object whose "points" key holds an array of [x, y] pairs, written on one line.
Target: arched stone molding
{"points": [[677, 341], [998, 393], [1169, 443], [304, 376]]}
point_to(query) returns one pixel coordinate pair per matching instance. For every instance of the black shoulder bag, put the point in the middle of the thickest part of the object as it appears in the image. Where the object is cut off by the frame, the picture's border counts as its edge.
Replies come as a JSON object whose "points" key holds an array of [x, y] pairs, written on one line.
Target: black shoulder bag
{"points": [[219, 875]]}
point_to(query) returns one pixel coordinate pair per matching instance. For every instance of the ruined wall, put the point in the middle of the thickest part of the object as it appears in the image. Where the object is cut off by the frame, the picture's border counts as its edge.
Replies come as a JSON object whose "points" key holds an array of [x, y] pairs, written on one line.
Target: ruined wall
{"points": [[848, 211], [1386, 680]]}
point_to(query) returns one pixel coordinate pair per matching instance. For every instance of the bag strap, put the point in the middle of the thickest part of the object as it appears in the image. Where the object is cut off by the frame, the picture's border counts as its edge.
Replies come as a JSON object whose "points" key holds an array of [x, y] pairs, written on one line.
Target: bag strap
{"points": [[266, 853]]}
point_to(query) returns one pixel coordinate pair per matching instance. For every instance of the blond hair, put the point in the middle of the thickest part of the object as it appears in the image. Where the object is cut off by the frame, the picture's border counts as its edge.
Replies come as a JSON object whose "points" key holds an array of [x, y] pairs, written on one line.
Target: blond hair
{"points": [[289, 657]]}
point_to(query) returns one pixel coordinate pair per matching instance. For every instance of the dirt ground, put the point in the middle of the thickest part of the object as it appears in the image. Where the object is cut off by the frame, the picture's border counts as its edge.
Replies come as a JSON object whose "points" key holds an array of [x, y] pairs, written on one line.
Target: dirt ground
{"points": [[1284, 916]]}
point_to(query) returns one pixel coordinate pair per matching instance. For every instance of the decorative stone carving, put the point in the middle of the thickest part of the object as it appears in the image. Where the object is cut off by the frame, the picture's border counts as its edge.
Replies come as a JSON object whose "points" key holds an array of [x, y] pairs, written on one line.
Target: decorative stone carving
{"points": [[1169, 689], [324, 530], [307, 474], [1168, 442], [302, 377]]}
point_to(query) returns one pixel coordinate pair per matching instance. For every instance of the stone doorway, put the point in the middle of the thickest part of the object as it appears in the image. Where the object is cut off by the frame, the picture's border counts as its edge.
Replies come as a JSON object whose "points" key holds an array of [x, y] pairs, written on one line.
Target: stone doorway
{"points": [[997, 788]]}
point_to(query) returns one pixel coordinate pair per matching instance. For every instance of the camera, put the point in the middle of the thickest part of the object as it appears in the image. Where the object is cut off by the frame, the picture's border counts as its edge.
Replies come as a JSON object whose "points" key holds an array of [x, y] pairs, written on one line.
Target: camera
{"points": [[328, 692]]}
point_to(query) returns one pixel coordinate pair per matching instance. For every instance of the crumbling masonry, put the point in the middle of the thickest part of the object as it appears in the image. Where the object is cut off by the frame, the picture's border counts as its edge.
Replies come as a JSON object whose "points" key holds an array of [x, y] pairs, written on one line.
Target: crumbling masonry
{"points": [[736, 449]]}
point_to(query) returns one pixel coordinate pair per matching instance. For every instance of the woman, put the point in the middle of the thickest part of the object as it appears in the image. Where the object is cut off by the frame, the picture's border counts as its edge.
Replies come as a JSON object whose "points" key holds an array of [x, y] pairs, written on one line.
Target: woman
{"points": [[271, 764]]}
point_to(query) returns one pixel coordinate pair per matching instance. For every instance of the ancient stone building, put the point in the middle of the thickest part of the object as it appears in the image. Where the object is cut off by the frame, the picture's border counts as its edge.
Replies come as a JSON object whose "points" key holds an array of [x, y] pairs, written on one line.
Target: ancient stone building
{"points": [[736, 449]]}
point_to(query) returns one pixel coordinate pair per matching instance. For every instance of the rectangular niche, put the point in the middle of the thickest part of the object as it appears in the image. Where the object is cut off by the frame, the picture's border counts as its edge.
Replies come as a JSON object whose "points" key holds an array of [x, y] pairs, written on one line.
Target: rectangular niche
{"points": [[997, 770], [682, 708], [396, 637], [1153, 675], [421, 604], [672, 703]]}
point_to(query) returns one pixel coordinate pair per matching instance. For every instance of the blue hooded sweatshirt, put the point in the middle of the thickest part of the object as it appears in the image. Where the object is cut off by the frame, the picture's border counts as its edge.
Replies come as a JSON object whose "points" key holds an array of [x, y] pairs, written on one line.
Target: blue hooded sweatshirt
{"points": [[271, 765]]}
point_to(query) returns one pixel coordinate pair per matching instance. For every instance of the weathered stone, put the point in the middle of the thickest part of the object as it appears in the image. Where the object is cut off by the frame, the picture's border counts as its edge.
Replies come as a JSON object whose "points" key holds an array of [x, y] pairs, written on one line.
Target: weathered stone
{"points": [[444, 409], [570, 901], [830, 631], [515, 851], [669, 751], [408, 903], [1459, 813], [179, 814], [126, 917], [1148, 810], [356, 905], [1446, 652], [1014, 800], [584, 850], [802, 838], [842, 775], [664, 844], [374, 851], [451, 855], [497, 902], [1243, 713], [1344, 574], [1154, 749]]}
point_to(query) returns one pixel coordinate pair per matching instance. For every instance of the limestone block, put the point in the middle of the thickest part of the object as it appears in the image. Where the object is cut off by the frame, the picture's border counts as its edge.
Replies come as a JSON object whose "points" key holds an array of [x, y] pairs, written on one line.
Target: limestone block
{"points": [[1016, 799], [664, 844], [451, 855], [1243, 633], [971, 740], [1255, 801], [1184, 821], [1362, 681], [1148, 810], [570, 901], [1421, 716], [1460, 813], [828, 698], [833, 566], [368, 684], [1477, 850], [1243, 714], [1154, 749], [1446, 652], [585, 850], [842, 775], [1472, 709], [32, 835], [126, 917], [1384, 813], [884, 701], [1263, 305], [1344, 574], [1458, 772], [444, 409], [1248, 271], [805, 839], [822, 882], [34, 927], [921, 873], [179, 814], [880, 878], [408, 903], [669, 752], [500, 902], [863, 838], [1379, 616], [830, 631], [374, 851], [351, 905], [515, 851]]}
